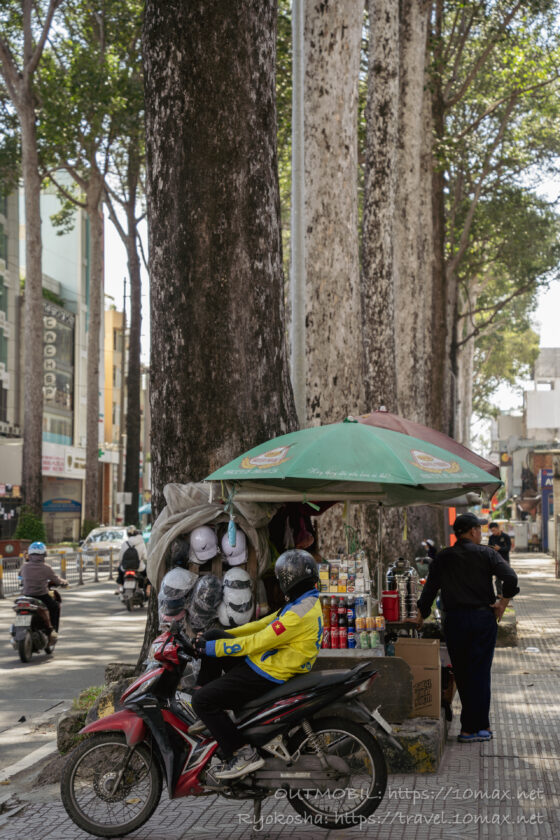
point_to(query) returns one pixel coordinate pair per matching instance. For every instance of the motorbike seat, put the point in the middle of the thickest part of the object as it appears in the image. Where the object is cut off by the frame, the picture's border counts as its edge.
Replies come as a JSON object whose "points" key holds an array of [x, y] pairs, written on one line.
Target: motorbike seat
{"points": [[316, 679], [28, 598]]}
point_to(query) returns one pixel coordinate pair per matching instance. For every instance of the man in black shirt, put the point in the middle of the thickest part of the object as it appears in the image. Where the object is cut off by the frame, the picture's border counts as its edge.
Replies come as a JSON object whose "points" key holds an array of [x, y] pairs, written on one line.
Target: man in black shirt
{"points": [[502, 543], [464, 574]]}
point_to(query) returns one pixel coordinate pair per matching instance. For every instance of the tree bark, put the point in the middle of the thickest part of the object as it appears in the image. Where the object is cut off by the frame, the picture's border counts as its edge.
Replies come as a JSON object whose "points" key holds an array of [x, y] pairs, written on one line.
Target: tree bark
{"points": [[333, 309], [219, 375], [32, 482], [94, 202], [378, 276], [410, 280]]}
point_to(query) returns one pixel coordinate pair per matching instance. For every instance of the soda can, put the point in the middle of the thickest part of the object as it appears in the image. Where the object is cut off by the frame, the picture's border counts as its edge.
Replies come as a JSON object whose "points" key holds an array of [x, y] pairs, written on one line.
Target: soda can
{"points": [[380, 622], [343, 637], [373, 638], [360, 623], [370, 622], [364, 640], [351, 639], [326, 637], [334, 637]]}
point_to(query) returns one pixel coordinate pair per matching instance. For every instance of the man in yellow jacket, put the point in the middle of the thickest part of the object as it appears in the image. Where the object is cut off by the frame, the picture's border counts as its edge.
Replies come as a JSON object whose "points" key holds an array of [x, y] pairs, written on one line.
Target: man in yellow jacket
{"points": [[256, 657]]}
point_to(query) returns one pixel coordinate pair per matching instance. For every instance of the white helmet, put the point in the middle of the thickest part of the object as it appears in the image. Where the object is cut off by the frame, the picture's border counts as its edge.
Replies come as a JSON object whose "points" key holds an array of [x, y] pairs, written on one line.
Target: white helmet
{"points": [[204, 544], [237, 586], [232, 615], [235, 554], [172, 597]]}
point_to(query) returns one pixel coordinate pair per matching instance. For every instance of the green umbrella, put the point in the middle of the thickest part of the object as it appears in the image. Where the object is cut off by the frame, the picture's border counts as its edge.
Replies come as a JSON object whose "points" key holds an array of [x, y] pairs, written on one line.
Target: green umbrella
{"points": [[350, 459]]}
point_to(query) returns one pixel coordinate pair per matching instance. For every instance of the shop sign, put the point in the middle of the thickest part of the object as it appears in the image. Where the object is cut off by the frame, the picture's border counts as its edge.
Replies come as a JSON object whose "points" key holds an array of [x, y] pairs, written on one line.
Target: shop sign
{"points": [[52, 464], [62, 506], [545, 478]]}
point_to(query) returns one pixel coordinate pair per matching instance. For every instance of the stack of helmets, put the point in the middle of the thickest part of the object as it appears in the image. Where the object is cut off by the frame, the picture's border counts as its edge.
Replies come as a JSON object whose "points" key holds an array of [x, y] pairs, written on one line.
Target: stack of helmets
{"points": [[237, 605], [204, 601], [235, 555], [172, 596]]}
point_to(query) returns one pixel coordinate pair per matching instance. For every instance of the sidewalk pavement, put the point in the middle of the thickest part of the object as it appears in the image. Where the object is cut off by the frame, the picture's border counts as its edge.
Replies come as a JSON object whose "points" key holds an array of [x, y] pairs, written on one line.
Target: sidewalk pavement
{"points": [[506, 788]]}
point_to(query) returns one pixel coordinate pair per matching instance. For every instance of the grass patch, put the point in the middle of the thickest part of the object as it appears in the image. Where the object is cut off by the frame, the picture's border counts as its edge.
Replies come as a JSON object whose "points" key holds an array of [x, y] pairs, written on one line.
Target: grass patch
{"points": [[86, 698]]}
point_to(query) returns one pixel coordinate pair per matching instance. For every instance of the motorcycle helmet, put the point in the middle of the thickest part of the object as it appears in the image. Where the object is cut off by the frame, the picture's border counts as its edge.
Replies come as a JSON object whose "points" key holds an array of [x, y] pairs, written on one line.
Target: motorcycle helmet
{"points": [[132, 530], [237, 605], [238, 553], [204, 544], [203, 602], [37, 548], [172, 597], [295, 566]]}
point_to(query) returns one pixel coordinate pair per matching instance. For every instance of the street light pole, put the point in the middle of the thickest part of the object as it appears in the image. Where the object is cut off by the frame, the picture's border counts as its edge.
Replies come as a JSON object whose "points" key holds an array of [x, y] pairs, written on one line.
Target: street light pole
{"points": [[120, 481]]}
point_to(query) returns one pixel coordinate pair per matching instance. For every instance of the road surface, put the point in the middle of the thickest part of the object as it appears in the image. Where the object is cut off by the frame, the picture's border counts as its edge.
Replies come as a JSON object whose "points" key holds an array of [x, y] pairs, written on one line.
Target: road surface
{"points": [[95, 629]]}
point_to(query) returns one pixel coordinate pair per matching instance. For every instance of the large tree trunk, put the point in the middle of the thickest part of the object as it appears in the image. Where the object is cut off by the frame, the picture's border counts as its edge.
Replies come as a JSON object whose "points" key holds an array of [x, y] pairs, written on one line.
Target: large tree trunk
{"points": [[410, 280], [219, 373], [378, 279], [94, 196], [33, 315], [334, 343]]}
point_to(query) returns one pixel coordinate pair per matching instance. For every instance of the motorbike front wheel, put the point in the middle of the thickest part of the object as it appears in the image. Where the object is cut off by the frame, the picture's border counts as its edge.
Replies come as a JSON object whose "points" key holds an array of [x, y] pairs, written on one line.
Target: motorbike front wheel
{"points": [[362, 774], [88, 780], [25, 647]]}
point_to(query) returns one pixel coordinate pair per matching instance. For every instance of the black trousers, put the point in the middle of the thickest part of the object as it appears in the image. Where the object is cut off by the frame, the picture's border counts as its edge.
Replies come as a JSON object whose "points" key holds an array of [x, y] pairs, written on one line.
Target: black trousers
{"points": [[471, 639], [216, 692], [53, 608]]}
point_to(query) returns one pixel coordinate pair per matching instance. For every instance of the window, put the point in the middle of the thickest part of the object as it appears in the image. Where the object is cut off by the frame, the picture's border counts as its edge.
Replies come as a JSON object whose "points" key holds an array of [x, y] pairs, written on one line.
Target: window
{"points": [[3, 244], [3, 404], [3, 296], [57, 429], [3, 348]]}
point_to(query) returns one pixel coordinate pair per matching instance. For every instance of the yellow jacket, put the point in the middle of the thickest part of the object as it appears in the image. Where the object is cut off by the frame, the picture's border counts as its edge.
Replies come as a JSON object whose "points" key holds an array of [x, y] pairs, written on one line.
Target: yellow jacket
{"points": [[281, 645]]}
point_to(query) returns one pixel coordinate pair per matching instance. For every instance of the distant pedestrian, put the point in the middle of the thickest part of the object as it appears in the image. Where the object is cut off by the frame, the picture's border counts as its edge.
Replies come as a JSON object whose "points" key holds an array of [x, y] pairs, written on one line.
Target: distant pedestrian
{"points": [[502, 543], [464, 574]]}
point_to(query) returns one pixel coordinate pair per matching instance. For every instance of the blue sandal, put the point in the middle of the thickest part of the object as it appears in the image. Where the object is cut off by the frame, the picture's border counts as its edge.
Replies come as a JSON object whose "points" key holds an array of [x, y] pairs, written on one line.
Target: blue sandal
{"points": [[483, 735]]}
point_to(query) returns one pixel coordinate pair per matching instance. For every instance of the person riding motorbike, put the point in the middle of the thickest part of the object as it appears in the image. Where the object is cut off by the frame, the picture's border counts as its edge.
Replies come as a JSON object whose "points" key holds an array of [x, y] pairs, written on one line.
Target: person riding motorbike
{"points": [[255, 657], [36, 577], [132, 557]]}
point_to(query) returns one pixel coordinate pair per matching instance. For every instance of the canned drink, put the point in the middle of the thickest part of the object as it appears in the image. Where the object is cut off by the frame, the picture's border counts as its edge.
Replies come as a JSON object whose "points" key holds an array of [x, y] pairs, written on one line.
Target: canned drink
{"points": [[360, 623], [373, 638], [351, 639], [380, 622], [334, 637], [343, 637], [326, 637], [364, 640], [370, 622]]}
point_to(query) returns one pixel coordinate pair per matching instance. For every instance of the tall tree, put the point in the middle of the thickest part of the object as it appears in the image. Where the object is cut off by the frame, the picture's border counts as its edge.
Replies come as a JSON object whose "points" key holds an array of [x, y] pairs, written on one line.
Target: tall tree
{"points": [[334, 388], [24, 29], [85, 88], [219, 376], [380, 182]]}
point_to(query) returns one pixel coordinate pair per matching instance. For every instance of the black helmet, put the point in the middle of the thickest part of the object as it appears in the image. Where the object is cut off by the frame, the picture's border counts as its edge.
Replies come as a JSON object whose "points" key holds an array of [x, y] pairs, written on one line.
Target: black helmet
{"points": [[295, 566]]}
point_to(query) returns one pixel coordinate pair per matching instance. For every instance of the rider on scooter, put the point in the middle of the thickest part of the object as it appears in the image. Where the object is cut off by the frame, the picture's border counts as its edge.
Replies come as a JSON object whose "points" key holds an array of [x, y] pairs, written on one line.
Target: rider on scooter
{"points": [[36, 577], [132, 557], [256, 657]]}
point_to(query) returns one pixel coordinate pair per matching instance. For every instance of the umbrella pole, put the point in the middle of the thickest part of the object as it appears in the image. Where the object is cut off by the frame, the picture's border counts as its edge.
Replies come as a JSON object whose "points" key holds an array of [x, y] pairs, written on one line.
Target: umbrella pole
{"points": [[379, 554]]}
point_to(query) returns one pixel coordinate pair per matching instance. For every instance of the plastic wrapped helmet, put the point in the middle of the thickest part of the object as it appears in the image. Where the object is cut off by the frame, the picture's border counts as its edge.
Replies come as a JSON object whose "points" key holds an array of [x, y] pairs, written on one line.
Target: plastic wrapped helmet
{"points": [[204, 601], [172, 597], [237, 605], [238, 553], [204, 544], [295, 566], [37, 548]]}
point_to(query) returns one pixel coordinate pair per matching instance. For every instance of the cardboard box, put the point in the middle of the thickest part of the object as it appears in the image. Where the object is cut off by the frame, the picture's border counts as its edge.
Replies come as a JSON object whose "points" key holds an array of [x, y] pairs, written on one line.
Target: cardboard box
{"points": [[422, 655]]}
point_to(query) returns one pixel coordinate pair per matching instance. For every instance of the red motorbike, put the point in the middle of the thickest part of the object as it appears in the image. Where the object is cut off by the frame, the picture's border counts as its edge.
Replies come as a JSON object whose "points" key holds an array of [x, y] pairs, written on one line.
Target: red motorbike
{"points": [[311, 731]]}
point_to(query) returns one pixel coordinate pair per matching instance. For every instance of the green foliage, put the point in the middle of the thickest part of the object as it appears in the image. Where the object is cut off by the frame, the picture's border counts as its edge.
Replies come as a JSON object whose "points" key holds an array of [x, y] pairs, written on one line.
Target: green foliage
{"points": [[86, 698], [88, 525], [30, 527]]}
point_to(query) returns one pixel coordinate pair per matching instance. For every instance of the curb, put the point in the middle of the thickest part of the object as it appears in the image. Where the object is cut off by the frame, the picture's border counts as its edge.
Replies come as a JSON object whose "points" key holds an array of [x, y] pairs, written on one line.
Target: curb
{"points": [[7, 773]]}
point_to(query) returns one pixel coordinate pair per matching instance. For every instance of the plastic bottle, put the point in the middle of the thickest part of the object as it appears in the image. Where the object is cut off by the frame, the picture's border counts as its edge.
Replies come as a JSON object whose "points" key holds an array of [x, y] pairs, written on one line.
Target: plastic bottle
{"points": [[351, 612]]}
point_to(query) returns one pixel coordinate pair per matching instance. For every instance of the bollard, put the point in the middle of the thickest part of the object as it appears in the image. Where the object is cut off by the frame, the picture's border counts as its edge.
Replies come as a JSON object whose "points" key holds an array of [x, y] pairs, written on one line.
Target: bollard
{"points": [[96, 570], [111, 565], [80, 569], [63, 565], [1, 576]]}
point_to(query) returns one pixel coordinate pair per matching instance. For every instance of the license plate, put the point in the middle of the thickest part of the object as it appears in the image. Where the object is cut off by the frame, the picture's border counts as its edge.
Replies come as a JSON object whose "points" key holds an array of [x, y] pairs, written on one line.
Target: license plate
{"points": [[130, 584], [22, 621]]}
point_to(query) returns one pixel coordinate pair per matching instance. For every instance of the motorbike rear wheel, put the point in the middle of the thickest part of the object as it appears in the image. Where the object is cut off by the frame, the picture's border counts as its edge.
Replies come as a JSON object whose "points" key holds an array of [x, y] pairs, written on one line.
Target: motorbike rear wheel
{"points": [[358, 791], [87, 784], [25, 647], [128, 603]]}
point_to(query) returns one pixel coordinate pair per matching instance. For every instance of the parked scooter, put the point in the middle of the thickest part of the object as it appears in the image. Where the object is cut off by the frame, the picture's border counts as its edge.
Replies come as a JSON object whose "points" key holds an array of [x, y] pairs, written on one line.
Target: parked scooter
{"points": [[132, 592], [311, 731], [28, 633]]}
